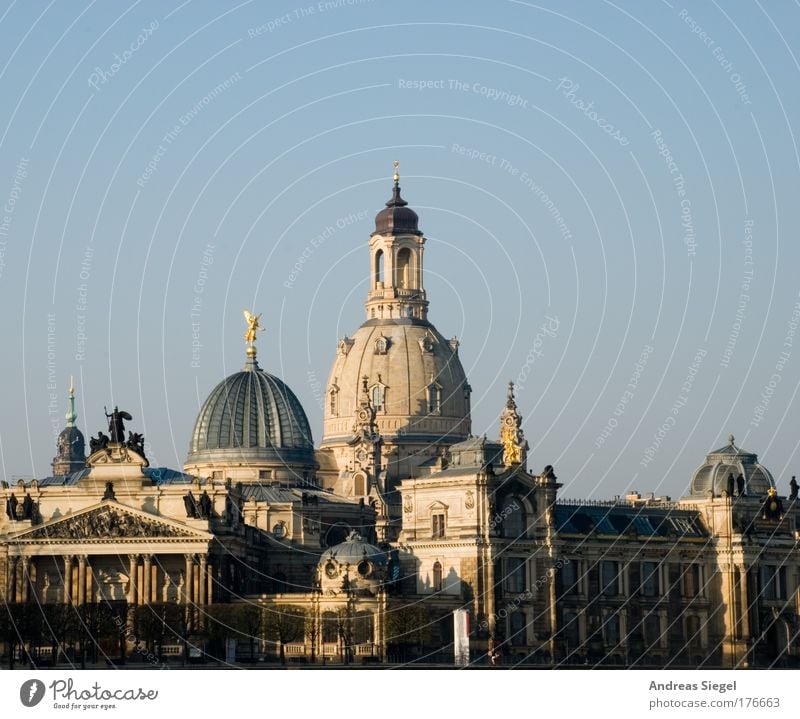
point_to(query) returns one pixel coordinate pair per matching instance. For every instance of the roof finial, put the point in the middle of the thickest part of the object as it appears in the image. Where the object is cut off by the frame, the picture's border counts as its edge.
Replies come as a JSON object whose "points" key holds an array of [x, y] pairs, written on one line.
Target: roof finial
{"points": [[397, 172], [71, 415], [731, 440], [253, 327]]}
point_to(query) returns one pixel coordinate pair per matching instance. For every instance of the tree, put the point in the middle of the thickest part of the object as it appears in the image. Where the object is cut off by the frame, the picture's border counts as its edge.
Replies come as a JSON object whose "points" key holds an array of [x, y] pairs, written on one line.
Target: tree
{"points": [[283, 624], [407, 626]]}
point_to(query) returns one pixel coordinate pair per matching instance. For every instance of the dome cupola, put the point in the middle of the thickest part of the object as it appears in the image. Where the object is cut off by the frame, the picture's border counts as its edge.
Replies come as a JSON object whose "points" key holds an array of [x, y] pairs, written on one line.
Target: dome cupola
{"points": [[731, 465], [353, 565], [252, 426], [397, 218], [71, 446]]}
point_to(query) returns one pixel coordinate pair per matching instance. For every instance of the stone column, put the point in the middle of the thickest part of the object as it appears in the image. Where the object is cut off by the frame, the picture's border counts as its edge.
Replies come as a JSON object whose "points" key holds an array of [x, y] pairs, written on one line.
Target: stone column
{"points": [[146, 577], [155, 588], [202, 580], [81, 579], [67, 578], [210, 589], [26, 579], [11, 580], [133, 563], [89, 582], [188, 580]]}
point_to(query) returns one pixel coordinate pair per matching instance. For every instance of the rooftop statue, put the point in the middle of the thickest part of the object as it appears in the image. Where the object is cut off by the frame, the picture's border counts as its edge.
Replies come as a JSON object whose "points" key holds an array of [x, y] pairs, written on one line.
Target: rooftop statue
{"points": [[116, 424]]}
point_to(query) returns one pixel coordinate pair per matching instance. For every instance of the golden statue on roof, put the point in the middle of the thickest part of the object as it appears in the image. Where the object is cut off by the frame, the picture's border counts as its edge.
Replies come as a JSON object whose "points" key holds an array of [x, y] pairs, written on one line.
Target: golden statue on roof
{"points": [[253, 326]]}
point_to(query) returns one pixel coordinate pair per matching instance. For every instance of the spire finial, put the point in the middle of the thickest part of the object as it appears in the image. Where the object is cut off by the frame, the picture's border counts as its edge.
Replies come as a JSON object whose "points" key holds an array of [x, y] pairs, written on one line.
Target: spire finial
{"points": [[510, 403], [396, 172], [253, 327], [71, 415]]}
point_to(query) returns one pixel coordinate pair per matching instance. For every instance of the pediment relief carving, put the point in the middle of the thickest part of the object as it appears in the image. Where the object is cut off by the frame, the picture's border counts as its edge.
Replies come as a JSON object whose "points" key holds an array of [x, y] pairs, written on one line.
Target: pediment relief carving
{"points": [[106, 522]]}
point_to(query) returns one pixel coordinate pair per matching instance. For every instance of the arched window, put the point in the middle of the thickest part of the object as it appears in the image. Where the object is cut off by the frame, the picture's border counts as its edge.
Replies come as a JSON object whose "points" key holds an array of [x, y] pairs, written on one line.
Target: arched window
{"points": [[403, 272], [336, 534], [359, 485], [363, 628], [334, 397], [434, 399], [330, 628], [378, 396], [378, 266], [437, 576], [279, 583]]}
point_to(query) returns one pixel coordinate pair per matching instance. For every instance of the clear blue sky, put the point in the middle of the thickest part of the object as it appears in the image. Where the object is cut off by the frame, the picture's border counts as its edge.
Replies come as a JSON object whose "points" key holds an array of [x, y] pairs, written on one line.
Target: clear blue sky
{"points": [[623, 174]]}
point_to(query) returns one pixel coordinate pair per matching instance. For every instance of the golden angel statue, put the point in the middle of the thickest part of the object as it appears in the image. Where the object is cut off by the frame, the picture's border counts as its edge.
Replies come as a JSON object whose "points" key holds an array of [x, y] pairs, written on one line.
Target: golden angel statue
{"points": [[253, 326]]}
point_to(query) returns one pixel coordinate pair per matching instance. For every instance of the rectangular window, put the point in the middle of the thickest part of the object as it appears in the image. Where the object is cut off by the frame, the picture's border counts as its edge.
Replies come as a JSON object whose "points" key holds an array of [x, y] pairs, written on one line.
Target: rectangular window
{"points": [[437, 522], [652, 630], [773, 582], [611, 630], [568, 577], [650, 580], [692, 581], [263, 474], [515, 575], [609, 578]]}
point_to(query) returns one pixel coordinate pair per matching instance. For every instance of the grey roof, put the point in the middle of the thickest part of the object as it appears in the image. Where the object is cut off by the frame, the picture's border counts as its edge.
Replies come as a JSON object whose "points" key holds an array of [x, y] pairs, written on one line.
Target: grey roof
{"points": [[165, 475], [63, 480], [253, 416], [354, 549], [279, 495], [620, 520]]}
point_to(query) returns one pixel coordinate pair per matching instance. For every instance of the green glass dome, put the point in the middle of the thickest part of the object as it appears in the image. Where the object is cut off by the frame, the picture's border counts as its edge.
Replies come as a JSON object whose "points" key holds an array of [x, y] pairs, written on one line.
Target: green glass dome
{"points": [[253, 417]]}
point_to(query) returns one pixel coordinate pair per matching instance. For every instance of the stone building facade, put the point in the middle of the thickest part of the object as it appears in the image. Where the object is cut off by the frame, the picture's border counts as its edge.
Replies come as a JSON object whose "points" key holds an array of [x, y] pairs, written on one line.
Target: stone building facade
{"points": [[401, 517]]}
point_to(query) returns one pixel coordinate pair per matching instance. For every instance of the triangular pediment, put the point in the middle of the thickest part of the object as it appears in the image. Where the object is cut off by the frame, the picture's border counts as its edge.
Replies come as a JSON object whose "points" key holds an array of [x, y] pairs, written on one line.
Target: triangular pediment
{"points": [[110, 521]]}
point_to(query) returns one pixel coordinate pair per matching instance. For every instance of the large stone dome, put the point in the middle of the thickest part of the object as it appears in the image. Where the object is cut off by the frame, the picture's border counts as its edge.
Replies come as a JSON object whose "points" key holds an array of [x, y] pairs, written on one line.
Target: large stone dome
{"points": [[730, 459], [413, 375], [251, 419]]}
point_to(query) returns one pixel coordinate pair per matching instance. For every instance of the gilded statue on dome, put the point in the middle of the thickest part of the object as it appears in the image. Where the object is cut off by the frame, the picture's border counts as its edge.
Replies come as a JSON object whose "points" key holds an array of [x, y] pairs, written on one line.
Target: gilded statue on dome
{"points": [[253, 326]]}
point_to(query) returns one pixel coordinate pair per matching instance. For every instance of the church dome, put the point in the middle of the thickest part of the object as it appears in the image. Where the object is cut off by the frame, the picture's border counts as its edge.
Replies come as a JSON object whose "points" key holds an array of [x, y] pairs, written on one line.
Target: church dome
{"points": [[251, 417], [721, 463], [414, 379]]}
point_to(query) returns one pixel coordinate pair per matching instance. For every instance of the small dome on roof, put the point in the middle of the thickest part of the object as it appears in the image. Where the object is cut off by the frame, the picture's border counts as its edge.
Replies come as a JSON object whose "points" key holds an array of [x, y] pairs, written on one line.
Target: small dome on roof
{"points": [[353, 550], [397, 218], [730, 459]]}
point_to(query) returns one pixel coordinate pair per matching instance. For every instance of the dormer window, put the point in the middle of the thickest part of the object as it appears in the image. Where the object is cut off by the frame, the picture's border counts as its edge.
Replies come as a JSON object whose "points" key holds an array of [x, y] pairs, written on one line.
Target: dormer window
{"points": [[381, 345], [333, 397], [434, 398], [378, 397]]}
